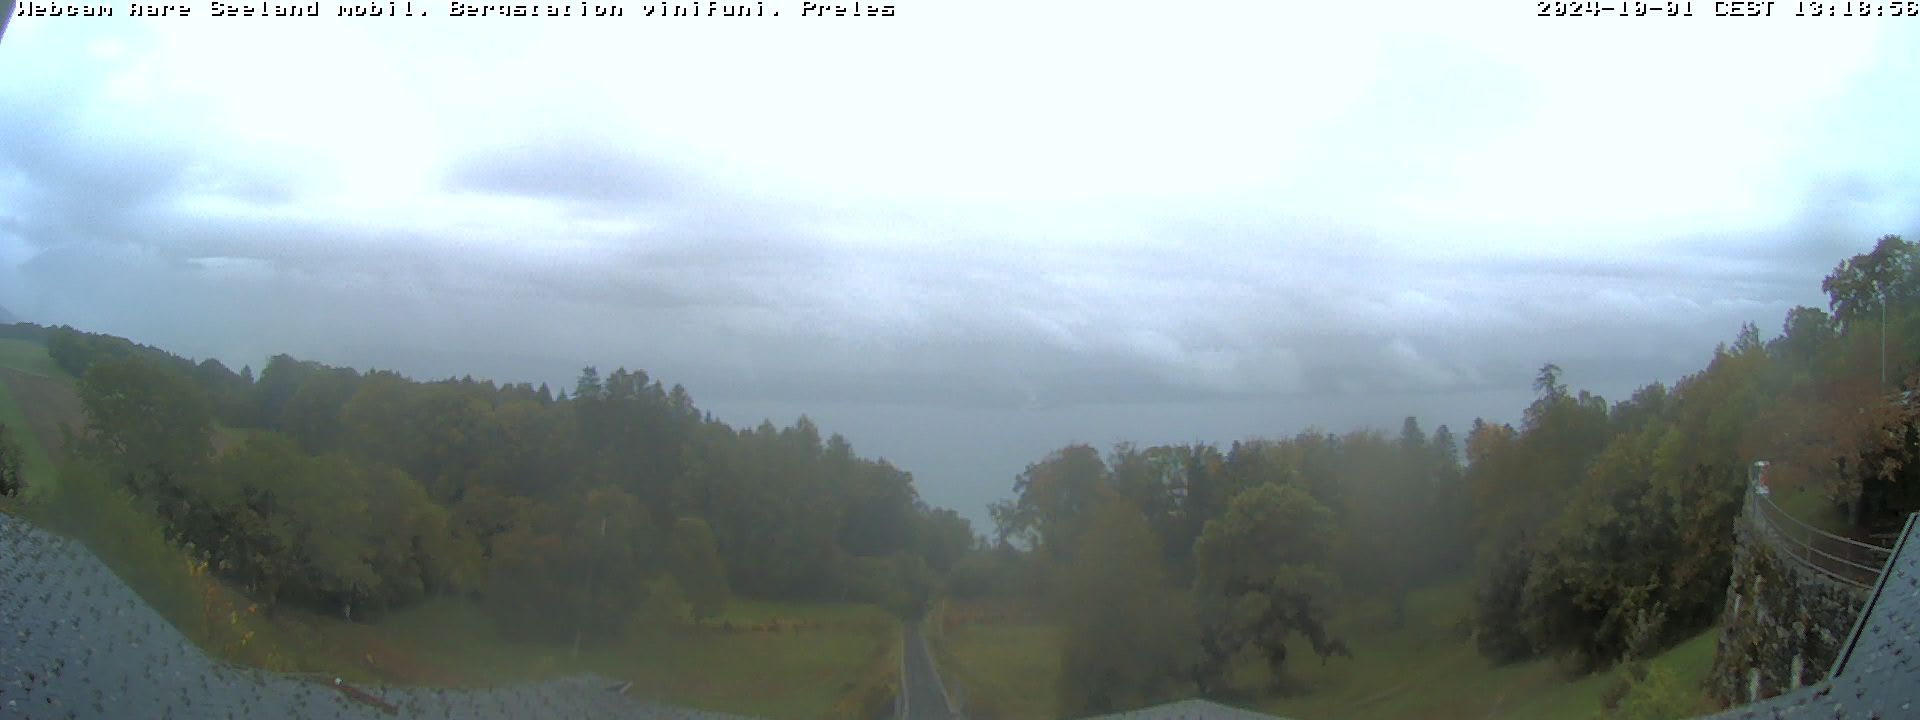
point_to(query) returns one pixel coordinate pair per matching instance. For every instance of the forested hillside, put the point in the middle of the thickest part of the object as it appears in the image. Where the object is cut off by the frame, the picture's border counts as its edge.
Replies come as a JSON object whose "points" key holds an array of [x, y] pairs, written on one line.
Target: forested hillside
{"points": [[1593, 532], [571, 517]]}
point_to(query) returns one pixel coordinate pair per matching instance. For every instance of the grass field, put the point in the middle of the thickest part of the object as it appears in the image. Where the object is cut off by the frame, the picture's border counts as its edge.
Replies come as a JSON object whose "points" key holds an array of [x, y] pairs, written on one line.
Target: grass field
{"points": [[35, 463], [1007, 668], [227, 438], [1427, 669], [848, 655], [35, 397], [819, 654], [30, 357]]}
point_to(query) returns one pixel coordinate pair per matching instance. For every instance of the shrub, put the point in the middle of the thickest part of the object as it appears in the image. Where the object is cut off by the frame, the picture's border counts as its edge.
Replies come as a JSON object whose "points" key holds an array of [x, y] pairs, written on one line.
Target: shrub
{"points": [[1655, 696]]}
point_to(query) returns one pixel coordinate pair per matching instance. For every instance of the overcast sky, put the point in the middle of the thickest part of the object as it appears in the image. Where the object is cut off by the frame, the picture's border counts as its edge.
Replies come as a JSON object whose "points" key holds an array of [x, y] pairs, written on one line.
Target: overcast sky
{"points": [[973, 232]]}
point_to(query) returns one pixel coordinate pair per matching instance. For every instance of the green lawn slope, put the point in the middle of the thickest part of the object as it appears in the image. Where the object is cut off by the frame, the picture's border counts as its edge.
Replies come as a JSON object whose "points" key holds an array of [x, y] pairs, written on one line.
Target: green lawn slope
{"points": [[1007, 663], [35, 397], [765, 659]]}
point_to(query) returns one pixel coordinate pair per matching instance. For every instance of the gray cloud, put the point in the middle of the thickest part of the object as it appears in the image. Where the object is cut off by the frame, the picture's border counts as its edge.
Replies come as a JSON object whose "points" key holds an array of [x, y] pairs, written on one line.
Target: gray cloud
{"points": [[84, 186], [953, 286], [571, 168], [1266, 315], [1098, 346]]}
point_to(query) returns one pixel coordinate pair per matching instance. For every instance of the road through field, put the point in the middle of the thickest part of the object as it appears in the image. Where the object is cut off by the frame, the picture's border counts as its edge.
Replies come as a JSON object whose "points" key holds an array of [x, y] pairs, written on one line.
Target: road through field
{"points": [[925, 696]]}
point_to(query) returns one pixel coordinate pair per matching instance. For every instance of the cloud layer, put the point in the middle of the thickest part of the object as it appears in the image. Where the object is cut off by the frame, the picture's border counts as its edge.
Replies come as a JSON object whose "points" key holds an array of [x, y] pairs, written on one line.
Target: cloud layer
{"points": [[1101, 230]]}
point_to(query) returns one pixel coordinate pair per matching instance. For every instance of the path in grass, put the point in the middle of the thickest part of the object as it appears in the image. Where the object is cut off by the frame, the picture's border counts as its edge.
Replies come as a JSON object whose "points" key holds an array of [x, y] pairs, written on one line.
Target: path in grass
{"points": [[36, 398]]}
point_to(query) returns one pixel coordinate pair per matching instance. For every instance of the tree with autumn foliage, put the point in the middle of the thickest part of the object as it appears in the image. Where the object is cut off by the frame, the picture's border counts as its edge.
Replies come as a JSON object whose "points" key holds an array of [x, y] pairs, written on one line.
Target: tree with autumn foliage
{"points": [[1051, 502]]}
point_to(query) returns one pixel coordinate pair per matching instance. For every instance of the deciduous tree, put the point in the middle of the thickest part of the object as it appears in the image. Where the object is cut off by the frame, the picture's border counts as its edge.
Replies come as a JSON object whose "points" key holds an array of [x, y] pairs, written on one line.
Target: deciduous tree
{"points": [[1264, 573], [1129, 639], [698, 566]]}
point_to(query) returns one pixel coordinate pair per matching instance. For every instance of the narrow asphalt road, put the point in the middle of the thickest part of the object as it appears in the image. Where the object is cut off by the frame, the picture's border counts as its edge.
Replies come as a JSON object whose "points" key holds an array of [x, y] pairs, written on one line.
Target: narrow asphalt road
{"points": [[925, 696]]}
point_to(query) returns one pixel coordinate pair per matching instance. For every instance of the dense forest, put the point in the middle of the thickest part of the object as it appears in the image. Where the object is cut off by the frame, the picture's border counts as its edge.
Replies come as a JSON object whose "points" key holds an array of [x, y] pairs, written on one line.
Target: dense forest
{"points": [[1593, 532], [571, 515]]}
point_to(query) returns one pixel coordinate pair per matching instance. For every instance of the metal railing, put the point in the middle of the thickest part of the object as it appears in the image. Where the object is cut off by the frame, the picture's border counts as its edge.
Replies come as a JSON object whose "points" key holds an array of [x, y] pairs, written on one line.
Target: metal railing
{"points": [[1860, 623], [1843, 559]]}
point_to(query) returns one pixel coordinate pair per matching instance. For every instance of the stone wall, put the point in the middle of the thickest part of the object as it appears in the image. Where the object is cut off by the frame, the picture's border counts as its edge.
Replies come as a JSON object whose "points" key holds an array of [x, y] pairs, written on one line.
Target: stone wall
{"points": [[1783, 623]]}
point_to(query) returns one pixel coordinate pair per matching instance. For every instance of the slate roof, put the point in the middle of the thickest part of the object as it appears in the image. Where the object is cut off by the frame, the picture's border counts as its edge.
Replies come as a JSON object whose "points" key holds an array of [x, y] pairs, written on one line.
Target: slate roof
{"points": [[1878, 673], [1189, 710]]}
